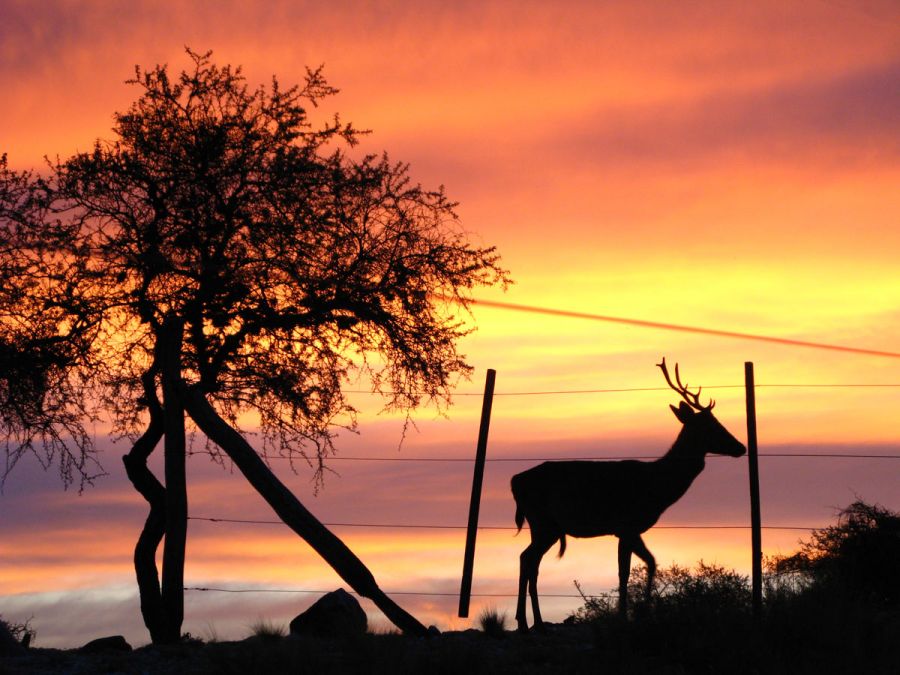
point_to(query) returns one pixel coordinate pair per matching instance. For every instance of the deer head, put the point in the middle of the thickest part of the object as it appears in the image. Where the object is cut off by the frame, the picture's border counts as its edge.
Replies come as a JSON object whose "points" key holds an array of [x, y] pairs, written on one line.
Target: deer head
{"points": [[701, 428]]}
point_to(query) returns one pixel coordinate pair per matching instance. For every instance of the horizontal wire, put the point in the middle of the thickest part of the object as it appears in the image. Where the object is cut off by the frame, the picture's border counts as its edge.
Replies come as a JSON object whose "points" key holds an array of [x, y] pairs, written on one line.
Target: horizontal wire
{"points": [[620, 390], [774, 455], [593, 458], [825, 455], [838, 385], [605, 458], [435, 593], [486, 527]]}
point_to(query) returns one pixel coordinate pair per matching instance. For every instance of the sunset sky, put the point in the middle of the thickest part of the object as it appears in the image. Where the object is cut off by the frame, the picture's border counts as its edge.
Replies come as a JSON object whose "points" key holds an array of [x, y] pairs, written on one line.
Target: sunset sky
{"points": [[732, 166]]}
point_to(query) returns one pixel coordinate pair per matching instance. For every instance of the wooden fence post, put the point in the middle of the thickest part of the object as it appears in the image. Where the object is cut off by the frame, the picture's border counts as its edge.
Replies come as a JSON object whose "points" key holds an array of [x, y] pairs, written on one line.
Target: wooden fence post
{"points": [[465, 590], [755, 520]]}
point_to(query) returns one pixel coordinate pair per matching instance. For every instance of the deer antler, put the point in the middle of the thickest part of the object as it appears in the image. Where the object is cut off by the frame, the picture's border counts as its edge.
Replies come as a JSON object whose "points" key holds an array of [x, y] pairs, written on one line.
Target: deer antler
{"points": [[690, 397]]}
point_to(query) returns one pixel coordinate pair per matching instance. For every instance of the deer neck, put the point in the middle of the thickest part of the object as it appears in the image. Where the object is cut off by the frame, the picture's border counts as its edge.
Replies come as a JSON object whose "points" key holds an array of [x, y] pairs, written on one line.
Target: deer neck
{"points": [[682, 464]]}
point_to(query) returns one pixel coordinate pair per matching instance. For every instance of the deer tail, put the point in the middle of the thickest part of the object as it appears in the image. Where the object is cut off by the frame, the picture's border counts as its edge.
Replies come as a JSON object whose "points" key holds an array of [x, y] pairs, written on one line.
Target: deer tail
{"points": [[516, 485], [562, 546]]}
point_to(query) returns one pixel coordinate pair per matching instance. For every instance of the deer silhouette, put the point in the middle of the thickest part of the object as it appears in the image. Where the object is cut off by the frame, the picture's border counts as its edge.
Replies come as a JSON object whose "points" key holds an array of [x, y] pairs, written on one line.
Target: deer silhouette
{"points": [[621, 498]]}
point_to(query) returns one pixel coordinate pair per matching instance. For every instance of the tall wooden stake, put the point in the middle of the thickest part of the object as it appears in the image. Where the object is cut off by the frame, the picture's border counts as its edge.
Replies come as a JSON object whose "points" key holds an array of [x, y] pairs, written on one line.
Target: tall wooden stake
{"points": [[755, 520], [465, 590]]}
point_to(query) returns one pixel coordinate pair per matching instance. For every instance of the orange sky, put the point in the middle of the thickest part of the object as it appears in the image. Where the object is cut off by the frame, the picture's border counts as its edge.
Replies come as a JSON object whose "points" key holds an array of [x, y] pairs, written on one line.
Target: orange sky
{"points": [[726, 165]]}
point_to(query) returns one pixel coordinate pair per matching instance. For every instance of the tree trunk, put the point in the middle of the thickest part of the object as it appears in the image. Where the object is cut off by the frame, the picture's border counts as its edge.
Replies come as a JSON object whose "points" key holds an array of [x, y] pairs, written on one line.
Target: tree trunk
{"points": [[350, 568], [155, 526], [176, 486]]}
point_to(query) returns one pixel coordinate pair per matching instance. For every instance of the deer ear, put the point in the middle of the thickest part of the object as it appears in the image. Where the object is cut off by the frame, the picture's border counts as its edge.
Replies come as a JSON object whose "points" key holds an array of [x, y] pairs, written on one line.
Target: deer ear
{"points": [[683, 412]]}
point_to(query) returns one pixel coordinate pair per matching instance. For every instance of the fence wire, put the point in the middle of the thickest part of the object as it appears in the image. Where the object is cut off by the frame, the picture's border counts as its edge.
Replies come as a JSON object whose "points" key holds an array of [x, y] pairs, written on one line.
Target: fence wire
{"points": [[435, 526], [593, 458], [430, 526], [441, 594], [623, 390]]}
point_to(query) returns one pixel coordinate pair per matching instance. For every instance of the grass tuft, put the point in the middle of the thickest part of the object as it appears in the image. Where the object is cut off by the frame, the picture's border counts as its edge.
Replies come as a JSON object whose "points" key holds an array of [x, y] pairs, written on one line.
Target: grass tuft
{"points": [[211, 633], [266, 629], [492, 622]]}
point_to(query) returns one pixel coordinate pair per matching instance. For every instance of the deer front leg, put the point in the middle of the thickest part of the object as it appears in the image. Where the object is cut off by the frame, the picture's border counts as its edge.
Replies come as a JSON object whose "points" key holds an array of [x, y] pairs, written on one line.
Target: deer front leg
{"points": [[625, 547], [644, 554]]}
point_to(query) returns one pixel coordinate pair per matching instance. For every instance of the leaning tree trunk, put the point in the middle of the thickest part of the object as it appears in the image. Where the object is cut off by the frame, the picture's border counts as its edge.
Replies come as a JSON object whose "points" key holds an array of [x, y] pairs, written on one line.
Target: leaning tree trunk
{"points": [[176, 484], [350, 568], [155, 526]]}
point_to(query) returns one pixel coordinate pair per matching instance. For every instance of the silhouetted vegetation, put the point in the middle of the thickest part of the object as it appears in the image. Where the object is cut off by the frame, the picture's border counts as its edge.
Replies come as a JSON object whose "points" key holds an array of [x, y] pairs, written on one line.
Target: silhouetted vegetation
{"points": [[828, 608], [492, 622], [264, 628], [857, 558], [707, 591], [45, 338], [223, 254], [836, 599], [22, 632]]}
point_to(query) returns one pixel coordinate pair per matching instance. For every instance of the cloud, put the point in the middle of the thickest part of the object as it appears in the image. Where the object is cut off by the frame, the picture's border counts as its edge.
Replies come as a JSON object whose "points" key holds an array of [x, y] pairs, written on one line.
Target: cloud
{"points": [[853, 117]]}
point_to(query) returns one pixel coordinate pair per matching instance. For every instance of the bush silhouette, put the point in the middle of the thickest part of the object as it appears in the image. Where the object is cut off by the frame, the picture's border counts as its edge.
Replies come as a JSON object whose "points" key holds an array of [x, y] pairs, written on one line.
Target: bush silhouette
{"points": [[708, 590], [856, 558], [831, 607]]}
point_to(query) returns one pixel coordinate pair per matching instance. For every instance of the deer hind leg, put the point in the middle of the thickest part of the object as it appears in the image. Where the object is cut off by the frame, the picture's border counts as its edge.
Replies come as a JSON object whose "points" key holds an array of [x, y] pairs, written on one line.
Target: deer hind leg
{"points": [[521, 620], [642, 552], [625, 548], [529, 562]]}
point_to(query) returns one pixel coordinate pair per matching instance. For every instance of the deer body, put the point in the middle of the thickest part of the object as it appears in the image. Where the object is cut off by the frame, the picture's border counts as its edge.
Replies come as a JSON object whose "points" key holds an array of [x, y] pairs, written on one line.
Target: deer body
{"points": [[620, 498], [592, 499]]}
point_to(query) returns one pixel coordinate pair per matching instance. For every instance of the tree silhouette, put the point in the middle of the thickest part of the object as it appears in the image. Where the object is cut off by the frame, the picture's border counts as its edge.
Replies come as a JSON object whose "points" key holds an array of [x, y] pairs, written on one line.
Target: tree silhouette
{"points": [[45, 336], [224, 254]]}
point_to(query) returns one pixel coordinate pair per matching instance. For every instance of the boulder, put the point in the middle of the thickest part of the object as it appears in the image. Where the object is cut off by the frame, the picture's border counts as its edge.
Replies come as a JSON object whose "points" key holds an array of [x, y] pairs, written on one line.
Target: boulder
{"points": [[113, 643], [335, 614]]}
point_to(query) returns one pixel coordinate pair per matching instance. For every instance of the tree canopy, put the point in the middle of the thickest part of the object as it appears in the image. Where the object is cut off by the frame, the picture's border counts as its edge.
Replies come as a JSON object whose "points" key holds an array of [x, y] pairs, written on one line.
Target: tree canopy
{"points": [[46, 333], [226, 252], [291, 264]]}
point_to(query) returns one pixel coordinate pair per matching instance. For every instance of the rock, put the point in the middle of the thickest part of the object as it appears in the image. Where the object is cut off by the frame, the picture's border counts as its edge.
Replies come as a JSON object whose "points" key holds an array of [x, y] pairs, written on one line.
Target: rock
{"points": [[113, 643], [9, 646], [335, 614]]}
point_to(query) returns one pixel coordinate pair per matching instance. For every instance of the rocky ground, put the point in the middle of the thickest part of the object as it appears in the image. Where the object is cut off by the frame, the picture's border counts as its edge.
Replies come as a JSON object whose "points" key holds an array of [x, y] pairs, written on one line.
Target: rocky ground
{"points": [[561, 649]]}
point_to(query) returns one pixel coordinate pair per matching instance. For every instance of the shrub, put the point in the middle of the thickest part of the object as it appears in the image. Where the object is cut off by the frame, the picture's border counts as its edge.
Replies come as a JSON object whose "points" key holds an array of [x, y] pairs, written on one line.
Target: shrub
{"points": [[595, 607], [709, 589], [21, 632], [834, 606], [857, 558], [493, 623]]}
